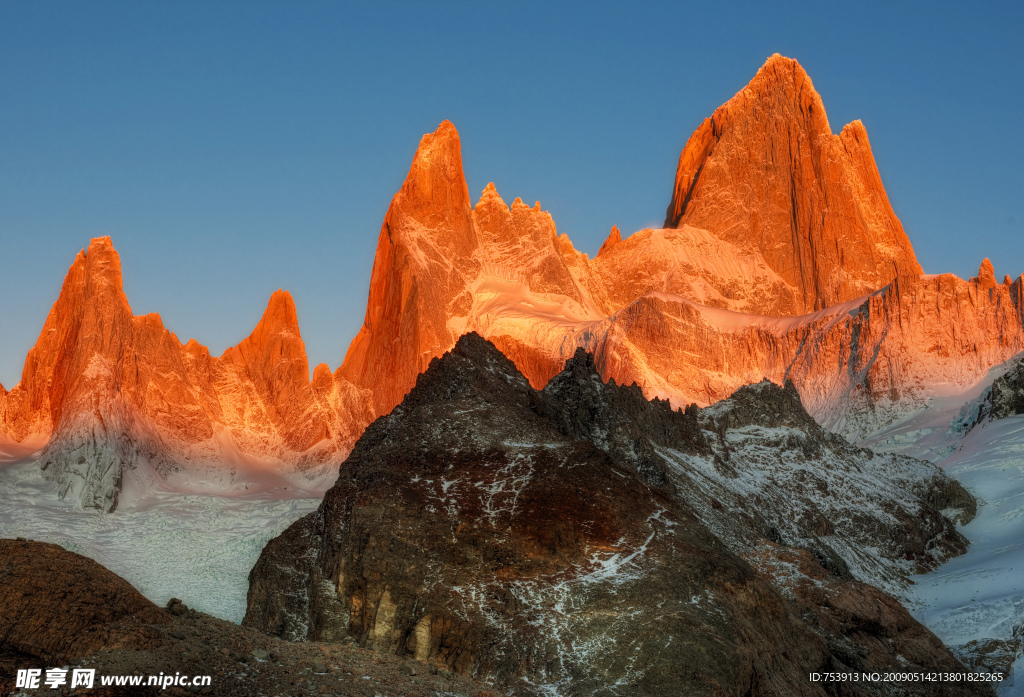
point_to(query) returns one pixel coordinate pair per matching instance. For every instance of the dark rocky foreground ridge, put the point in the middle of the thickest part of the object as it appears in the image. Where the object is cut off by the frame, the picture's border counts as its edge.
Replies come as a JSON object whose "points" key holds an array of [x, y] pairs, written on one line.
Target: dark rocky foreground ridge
{"points": [[59, 609], [581, 540]]}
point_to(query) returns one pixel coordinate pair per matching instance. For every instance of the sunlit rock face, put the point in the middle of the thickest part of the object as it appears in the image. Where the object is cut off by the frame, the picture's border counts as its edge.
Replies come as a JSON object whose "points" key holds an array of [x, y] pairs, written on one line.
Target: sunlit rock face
{"points": [[766, 174], [110, 393], [781, 258], [858, 365]]}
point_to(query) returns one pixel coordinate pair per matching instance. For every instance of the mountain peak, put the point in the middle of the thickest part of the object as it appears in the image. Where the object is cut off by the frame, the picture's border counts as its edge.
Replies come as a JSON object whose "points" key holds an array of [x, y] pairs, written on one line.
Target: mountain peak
{"points": [[778, 68], [490, 194], [766, 174], [987, 274], [280, 313], [435, 183], [102, 263], [276, 335], [614, 237]]}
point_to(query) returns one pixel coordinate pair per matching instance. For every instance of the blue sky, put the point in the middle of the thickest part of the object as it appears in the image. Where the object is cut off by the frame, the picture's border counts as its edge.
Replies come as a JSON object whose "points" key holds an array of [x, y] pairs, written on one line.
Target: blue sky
{"points": [[231, 149]]}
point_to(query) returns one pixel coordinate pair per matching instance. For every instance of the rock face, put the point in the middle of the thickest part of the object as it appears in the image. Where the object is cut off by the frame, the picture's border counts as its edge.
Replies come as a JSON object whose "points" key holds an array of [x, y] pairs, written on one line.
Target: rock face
{"points": [[438, 262], [574, 540], [858, 366], [1001, 400], [111, 393], [57, 605], [1007, 395], [766, 174], [58, 609], [781, 259]]}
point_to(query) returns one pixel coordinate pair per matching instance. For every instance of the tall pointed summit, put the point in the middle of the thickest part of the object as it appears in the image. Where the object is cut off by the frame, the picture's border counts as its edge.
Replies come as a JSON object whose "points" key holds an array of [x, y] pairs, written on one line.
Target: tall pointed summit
{"points": [[765, 173], [109, 393], [424, 260]]}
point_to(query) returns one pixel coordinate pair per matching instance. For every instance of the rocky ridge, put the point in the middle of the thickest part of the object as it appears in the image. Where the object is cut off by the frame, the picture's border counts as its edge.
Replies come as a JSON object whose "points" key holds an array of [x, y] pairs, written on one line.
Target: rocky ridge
{"points": [[1006, 397], [582, 540], [59, 609], [1002, 399]]}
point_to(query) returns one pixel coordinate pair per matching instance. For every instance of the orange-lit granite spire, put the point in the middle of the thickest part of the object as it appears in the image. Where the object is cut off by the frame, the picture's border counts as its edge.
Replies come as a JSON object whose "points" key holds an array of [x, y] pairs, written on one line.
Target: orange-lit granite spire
{"points": [[423, 263], [108, 392], [614, 237], [766, 174]]}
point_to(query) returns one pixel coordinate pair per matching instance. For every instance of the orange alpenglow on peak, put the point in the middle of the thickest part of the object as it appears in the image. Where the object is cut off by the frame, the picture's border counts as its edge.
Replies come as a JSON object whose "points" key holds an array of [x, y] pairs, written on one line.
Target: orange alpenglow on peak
{"points": [[614, 237], [407, 311], [433, 251], [987, 274], [766, 174], [103, 388]]}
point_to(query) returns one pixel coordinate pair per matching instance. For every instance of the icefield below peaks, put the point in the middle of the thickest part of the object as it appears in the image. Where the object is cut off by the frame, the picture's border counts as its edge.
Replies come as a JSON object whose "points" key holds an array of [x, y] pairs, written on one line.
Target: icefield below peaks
{"points": [[196, 547], [980, 595], [977, 597]]}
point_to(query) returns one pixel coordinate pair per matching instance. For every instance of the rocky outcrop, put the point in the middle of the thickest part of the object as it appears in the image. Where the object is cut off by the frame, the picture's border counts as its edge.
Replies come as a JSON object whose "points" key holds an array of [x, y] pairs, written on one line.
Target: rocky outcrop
{"points": [[61, 610], [514, 535], [765, 173], [424, 261], [56, 605], [110, 393], [1002, 399], [1007, 394], [439, 261]]}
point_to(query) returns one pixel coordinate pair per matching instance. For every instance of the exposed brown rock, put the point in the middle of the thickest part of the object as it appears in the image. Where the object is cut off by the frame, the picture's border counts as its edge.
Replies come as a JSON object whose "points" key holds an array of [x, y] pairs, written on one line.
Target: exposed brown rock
{"points": [[514, 536], [58, 609], [57, 605]]}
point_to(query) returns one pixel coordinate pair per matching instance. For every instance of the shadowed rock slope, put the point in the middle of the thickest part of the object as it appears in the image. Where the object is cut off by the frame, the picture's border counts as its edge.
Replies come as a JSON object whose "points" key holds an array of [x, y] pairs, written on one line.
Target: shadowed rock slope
{"points": [[59, 609], [545, 542], [57, 605], [1007, 394]]}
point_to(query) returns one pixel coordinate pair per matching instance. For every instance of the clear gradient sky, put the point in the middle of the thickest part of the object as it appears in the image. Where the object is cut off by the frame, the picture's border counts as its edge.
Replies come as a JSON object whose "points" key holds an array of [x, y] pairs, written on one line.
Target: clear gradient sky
{"points": [[230, 149]]}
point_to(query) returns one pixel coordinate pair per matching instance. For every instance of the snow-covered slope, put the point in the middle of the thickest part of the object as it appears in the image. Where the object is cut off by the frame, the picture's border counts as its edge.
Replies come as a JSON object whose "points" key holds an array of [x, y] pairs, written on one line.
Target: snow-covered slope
{"points": [[975, 602]]}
